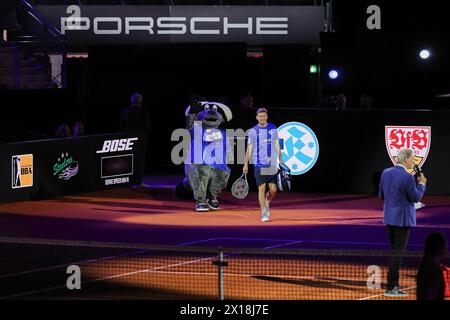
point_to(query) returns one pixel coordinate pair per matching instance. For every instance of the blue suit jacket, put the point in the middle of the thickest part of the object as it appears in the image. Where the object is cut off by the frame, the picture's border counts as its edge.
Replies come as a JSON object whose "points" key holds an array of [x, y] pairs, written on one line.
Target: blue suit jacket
{"points": [[399, 191]]}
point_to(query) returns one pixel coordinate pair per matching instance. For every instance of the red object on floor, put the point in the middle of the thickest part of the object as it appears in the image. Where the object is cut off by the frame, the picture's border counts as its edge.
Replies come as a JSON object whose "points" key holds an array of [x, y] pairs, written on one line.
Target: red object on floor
{"points": [[446, 271]]}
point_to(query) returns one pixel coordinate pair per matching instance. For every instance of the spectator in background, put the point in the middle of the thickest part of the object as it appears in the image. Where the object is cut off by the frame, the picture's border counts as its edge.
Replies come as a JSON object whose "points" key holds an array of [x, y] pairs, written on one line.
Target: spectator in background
{"points": [[337, 102], [135, 120], [78, 129], [247, 101], [430, 279], [365, 102], [329, 101], [63, 131], [341, 101]]}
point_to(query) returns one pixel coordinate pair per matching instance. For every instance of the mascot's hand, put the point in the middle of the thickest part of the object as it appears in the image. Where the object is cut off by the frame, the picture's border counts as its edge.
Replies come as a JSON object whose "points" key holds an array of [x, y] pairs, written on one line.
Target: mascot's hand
{"points": [[195, 107]]}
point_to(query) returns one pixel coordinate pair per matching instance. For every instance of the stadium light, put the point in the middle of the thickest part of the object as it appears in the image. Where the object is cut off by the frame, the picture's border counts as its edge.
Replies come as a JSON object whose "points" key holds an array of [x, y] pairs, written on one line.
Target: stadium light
{"points": [[333, 74], [424, 54]]}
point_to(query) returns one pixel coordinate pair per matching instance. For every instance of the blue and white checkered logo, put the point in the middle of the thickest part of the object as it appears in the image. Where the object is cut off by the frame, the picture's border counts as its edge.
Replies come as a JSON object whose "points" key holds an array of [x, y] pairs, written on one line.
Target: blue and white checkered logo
{"points": [[299, 147]]}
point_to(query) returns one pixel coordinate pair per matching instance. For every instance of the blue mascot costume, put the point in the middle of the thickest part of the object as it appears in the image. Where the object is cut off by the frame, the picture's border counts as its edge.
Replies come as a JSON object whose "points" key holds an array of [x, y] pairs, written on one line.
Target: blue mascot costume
{"points": [[206, 168]]}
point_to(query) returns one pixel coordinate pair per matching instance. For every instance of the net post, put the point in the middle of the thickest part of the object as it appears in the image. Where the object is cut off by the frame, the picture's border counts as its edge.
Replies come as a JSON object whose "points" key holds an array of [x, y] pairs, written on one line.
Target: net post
{"points": [[220, 275], [220, 263]]}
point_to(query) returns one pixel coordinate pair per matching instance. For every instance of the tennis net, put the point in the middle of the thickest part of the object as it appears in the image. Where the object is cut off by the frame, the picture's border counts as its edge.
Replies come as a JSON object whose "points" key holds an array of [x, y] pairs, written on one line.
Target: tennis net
{"points": [[59, 269]]}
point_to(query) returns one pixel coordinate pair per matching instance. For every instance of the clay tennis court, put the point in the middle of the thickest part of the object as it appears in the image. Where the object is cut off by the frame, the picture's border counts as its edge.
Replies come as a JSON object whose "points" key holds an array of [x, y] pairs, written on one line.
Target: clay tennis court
{"points": [[172, 248]]}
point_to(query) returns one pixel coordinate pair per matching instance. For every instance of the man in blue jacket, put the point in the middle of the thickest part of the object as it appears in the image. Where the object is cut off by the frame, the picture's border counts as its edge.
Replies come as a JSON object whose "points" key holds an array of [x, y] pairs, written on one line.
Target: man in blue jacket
{"points": [[399, 191]]}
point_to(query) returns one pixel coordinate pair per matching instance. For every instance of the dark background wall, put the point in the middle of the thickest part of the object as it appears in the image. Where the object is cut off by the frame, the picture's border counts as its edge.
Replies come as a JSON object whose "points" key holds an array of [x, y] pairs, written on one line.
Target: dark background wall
{"points": [[353, 149], [382, 63], [352, 143], [168, 74]]}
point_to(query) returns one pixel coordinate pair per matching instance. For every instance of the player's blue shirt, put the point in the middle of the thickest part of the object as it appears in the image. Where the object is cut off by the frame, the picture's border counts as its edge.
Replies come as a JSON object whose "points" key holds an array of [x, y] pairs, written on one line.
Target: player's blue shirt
{"points": [[209, 146], [263, 142]]}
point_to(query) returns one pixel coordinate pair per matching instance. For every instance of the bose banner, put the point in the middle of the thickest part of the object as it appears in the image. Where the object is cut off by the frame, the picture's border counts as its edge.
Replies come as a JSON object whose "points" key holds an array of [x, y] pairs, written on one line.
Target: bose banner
{"points": [[254, 25], [54, 167]]}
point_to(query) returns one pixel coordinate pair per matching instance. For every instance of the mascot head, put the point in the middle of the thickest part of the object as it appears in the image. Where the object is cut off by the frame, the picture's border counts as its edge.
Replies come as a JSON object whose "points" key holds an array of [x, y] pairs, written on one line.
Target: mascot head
{"points": [[211, 114]]}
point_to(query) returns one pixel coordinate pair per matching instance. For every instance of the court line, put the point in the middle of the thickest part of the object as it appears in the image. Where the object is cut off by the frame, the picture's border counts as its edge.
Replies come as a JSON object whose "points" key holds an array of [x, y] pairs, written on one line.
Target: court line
{"points": [[315, 241], [124, 274], [274, 276], [353, 242], [254, 275], [382, 294], [9, 275], [235, 274], [254, 239], [100, 279], [281, 245], [186, 244], [114, 256]]}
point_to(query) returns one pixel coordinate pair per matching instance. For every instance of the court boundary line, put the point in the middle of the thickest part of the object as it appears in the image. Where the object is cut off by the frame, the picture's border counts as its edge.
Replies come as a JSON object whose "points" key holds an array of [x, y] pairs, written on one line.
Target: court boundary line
{"points": [[314, 241], [119, 255], [128, 273], [9, 275], [382, 294]]}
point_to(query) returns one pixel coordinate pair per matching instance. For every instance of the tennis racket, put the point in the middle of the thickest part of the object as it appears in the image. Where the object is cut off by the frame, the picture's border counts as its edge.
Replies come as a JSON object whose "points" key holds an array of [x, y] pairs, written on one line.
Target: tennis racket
{"points": [[239, 189]]}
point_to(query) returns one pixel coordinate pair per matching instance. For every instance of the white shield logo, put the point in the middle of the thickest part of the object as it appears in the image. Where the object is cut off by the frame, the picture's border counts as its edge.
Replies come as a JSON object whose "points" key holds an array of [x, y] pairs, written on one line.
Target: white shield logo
{"points": [[416, 138]]}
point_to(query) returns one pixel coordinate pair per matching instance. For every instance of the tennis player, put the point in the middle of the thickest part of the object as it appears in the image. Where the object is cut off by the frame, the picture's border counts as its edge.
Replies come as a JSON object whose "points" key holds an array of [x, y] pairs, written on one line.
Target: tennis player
{"points": [[264, 150]]}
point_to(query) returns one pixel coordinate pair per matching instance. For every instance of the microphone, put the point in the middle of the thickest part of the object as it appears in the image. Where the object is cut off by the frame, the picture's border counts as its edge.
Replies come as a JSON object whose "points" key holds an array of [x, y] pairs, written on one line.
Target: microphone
{"points": [[418, 169]]}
